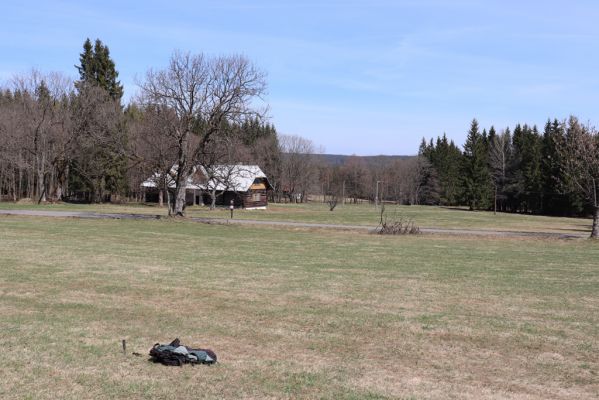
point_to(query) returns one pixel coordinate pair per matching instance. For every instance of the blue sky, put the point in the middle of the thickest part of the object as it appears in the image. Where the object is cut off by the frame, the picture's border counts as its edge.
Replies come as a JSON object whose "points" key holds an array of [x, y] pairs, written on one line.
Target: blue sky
{"points": [[356, 77]]}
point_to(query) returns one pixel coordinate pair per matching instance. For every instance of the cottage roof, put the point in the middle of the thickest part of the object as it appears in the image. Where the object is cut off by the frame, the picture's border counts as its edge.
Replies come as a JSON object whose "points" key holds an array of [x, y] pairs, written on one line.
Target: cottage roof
{"points": [[236, 177], [232, 177]]}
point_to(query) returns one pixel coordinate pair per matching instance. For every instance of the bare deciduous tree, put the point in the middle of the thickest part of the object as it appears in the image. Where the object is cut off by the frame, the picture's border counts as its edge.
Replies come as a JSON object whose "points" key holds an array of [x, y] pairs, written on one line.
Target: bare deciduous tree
{"points": [[34, 128], [499, 151], [298, 168], [202, 92], [410, 179], [154, 148], [579, 154], [357, 178]]}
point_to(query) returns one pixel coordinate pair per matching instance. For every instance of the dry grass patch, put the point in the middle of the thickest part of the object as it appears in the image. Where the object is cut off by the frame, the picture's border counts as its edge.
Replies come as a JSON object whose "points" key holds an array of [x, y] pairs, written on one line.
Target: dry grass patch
{"points": [[294, 314]]}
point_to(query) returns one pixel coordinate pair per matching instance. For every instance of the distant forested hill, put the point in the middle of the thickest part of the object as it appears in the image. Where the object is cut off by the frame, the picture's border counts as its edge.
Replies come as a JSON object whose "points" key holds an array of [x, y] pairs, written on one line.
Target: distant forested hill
{"points": [[339, 159]]}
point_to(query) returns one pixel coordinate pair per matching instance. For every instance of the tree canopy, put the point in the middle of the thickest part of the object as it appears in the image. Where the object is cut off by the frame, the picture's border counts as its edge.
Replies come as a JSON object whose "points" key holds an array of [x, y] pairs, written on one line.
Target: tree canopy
{"points": [[97, 67]]}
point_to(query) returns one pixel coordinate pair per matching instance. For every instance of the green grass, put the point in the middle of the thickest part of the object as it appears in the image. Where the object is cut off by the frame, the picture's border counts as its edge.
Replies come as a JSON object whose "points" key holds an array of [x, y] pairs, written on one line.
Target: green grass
{"points": [[360, 214], [293, 313], [424, 216], [141, 208]]}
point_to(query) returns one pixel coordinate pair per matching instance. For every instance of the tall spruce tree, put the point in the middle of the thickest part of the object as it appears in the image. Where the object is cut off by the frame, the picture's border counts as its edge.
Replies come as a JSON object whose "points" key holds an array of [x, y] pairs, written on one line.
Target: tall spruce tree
{"points": [[553, 200], [475, 170], [445, 157], [428, 184], [526, 181], [104, 176], [534, 178], [97, 67], [514, 188]]}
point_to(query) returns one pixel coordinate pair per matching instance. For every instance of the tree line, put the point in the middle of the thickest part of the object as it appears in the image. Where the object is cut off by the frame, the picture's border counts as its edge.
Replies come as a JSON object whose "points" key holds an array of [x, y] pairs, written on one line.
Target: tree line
{"points": [[75, 140], [553, 172], [519, 170]]}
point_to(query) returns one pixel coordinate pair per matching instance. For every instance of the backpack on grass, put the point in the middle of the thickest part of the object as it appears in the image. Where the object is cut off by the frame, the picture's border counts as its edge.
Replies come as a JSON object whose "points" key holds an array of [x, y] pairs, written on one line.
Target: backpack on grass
{"points": [[175, 354]]}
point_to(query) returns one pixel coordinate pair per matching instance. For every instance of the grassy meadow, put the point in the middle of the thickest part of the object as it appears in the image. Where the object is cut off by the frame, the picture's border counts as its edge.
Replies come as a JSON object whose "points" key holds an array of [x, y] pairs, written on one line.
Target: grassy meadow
{"points": [[294, 313], [352, 214]]}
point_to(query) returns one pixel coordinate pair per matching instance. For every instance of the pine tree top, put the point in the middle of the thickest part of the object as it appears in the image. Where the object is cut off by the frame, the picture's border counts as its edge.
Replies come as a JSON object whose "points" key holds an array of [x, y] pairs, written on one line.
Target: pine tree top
{"points": [[98, 68]]}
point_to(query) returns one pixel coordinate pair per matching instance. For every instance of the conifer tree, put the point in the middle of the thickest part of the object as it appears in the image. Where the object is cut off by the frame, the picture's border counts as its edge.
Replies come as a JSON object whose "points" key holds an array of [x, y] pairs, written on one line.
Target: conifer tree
{"points": [[446, 158], [526, 182], [552, 199], [475, 170], [98, 82], [426, 150], [492, 136], [98, 68], [514, 187], [534, 179]]}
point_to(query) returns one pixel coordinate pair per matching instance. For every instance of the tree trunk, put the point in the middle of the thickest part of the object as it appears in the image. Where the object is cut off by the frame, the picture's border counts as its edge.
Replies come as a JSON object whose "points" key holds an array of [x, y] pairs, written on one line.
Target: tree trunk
{"points": [[59, 192], [595, 229], [60, 184], [97, 193], [495, 202], [51, 185], [43, 195], [65, 182], [15, 186], [213, 199], [41, 186], [179, 210], [30, 180], [169, 204]]}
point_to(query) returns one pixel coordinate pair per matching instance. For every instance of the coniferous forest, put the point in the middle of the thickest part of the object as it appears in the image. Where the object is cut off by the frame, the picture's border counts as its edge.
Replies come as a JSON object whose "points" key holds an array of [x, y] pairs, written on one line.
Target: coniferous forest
{"points": [[519, 169]]}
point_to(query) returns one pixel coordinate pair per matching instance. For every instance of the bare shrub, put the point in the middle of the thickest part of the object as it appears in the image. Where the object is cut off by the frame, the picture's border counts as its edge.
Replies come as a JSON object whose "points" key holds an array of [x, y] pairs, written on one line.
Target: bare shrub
{"points": [[397, 225], [332, 203]]}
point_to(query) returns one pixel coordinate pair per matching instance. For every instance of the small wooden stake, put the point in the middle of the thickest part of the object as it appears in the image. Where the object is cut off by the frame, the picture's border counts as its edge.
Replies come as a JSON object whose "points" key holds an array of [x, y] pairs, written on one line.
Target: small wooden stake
{"points": [[124, 347]]}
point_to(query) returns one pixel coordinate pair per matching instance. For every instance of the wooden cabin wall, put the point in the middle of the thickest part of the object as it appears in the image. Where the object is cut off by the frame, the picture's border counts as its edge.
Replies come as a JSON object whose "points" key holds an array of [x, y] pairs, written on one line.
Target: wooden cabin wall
{"points": [[255, 198]]}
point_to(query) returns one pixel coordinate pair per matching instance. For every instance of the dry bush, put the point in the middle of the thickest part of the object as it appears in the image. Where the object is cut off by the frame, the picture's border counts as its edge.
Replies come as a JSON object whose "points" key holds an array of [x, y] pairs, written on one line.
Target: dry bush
{"points": [[332, 203], [397, 225]]}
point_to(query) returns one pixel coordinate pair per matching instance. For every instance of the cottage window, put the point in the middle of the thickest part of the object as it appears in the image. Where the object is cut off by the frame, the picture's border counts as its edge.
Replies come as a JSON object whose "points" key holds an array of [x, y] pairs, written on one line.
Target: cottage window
{"points": [[256, 197]]}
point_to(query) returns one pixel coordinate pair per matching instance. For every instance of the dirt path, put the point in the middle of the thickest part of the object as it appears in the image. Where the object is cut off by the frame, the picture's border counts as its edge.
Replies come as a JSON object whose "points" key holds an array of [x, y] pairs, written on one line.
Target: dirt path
{"points": [[443, 231]]}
